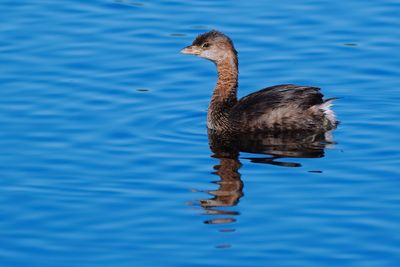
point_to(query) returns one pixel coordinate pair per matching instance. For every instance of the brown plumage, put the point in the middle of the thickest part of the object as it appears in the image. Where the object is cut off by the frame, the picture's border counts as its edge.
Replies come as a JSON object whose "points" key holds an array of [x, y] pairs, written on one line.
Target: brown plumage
{"points": [[285, 107]]}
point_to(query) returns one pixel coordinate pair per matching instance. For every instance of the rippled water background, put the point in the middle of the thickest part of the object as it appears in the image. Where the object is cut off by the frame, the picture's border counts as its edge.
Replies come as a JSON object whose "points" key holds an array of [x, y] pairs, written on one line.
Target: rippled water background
{"points": [[104, 154]]}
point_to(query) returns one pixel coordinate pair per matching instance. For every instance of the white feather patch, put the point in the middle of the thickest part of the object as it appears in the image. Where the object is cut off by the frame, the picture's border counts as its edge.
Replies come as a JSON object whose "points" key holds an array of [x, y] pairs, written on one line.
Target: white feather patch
{"points": [[326, 108]]}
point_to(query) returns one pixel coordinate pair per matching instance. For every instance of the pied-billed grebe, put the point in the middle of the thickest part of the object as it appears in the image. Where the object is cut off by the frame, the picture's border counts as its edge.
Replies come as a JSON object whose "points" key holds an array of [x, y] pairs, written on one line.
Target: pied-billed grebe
{"points": [[285, 107]]}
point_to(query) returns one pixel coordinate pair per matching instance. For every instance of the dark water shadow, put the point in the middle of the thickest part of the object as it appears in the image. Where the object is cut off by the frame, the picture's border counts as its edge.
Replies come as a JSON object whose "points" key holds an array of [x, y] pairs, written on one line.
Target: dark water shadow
{"points": [[268, 148]]}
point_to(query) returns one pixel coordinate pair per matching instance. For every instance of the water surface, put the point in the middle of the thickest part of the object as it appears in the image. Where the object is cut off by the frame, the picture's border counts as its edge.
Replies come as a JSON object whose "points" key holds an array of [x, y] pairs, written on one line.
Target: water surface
{"points": [[104, 152]]}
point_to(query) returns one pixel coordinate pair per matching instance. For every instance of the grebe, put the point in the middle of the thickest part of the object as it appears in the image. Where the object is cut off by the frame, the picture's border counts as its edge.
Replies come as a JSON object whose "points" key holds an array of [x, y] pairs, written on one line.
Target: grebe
{"points": [[278, 108]]}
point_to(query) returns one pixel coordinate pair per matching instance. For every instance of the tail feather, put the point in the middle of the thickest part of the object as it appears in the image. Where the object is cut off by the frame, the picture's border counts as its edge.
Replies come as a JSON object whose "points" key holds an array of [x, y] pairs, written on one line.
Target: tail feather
{"points": [[326, 108]]}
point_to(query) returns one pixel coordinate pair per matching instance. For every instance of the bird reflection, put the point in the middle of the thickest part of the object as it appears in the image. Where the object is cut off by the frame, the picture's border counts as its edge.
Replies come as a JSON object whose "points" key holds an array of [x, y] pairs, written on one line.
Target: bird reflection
{"points": [[229, 192], [269, 147]]}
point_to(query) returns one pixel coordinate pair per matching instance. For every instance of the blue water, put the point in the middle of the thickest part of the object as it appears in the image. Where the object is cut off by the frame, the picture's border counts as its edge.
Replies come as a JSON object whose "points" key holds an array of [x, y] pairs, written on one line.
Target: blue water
{"points": [[104, 153]]}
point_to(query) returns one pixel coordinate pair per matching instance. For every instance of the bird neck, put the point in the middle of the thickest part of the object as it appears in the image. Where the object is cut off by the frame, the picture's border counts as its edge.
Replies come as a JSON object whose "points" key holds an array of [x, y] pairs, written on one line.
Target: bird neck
{"points": [[225, 94], [227, 83]]}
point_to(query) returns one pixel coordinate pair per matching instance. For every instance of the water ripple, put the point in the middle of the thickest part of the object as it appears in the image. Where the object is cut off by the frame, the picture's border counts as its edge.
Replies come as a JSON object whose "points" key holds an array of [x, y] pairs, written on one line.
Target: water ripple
{"points": [[105, 157]]}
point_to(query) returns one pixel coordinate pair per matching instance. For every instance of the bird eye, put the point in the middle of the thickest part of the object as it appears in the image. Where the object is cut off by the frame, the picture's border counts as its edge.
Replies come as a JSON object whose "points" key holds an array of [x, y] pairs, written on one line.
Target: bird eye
{"points": [[205, 45]]}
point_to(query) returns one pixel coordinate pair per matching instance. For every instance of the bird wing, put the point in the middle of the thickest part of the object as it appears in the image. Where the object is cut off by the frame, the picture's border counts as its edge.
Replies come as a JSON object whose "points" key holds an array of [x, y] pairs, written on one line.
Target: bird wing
{"points": [[274, 97]]}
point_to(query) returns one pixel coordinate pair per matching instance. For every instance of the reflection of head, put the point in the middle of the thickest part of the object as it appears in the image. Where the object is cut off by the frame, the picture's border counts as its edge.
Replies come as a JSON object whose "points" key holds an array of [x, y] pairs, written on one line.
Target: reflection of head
{"points": [[229, 192], [230, 185]]}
